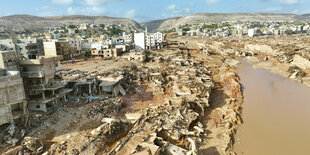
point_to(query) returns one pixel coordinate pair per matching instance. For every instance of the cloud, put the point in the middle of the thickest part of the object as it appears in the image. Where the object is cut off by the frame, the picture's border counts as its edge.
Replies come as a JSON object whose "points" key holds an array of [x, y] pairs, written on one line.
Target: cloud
{"points": [[87, 11], [273, 9], [98, 2], [171, 7], [71, 11], [44, 8], [130, 13], [174, 10], [288, 2], [212, 1], [62, 2]]}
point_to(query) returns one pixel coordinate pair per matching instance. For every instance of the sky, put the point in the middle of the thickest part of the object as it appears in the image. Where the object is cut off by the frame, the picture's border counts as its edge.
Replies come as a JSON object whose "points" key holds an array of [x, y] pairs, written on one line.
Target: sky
{"points": [[145, 10]]}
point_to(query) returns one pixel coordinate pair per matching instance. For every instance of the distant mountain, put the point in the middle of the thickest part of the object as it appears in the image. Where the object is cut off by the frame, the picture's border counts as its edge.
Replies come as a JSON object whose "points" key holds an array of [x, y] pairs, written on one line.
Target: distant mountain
{"points": [[166, 24], [34, 22], [160, 25]]}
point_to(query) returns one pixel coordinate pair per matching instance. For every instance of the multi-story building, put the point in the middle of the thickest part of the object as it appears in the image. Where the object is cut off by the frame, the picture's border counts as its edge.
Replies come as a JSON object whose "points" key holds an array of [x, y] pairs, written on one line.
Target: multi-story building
{"points": [[31, 48], [57, 48], [8, 60], [128, 39], [106, 53], [7, 45], [13, 104], [44, 90], [139, 40], [154, 41], [75, 43], [84, 26]]}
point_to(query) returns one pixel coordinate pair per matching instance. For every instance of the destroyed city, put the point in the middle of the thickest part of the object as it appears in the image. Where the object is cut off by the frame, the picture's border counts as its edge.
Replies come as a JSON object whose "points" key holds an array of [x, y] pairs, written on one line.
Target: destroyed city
{"points": [[134, 77]]}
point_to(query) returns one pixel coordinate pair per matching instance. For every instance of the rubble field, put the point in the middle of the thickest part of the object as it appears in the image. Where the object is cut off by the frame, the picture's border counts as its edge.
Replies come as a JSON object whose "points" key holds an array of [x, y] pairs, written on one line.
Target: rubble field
{"points": [[184, 99]]}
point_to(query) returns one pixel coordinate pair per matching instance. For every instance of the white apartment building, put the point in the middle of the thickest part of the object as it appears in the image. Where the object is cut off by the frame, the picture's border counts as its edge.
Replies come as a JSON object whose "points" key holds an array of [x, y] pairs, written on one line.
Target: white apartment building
{"points": [[127, 38], [154, 40], [139, 40]]}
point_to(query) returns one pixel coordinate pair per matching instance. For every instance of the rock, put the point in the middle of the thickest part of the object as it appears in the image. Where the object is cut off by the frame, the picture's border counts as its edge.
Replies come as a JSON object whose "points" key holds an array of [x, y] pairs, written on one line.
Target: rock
{"points": [[300, 62], [171, 149]]}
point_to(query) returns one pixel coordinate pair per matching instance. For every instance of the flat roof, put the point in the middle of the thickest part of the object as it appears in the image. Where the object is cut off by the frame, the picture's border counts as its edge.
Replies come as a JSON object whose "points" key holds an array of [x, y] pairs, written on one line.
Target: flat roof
{"points": [[110, 81]]}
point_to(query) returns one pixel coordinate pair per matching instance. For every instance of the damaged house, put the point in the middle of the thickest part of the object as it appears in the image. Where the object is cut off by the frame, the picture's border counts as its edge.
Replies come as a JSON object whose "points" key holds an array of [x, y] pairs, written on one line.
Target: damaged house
{"points": [[86, 87], [44, 90], [112, 85], [134, 56], [13, 104], [107, 53]]}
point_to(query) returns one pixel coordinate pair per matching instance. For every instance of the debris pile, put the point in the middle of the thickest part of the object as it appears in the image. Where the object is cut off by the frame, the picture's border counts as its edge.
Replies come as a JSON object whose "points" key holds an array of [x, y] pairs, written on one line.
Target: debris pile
{"points": [[95, 142], [32, 146], [12, 135], [106, 108]]}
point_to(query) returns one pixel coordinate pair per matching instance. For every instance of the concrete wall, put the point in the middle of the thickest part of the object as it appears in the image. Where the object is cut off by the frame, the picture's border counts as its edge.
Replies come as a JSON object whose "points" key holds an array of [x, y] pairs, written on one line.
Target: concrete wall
{"points": [[8, 60], [301, 62], [12, 95], [50, 48], [261, 48], [139, 40]]}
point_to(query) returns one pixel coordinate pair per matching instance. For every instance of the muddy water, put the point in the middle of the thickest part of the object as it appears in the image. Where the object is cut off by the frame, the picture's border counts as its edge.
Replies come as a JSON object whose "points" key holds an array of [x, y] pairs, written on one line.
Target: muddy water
{"points": [[276, 114]]}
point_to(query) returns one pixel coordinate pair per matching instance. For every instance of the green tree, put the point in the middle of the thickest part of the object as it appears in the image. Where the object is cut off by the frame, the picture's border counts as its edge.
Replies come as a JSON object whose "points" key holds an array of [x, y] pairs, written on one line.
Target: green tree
{"points": [[186, 29], [102, 26], [88, 53], [71, 26]]}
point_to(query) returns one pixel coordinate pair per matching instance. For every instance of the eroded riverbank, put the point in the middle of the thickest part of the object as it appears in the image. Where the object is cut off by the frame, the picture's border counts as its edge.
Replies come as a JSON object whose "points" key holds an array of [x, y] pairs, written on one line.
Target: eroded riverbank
{"points": [[275, 113]]}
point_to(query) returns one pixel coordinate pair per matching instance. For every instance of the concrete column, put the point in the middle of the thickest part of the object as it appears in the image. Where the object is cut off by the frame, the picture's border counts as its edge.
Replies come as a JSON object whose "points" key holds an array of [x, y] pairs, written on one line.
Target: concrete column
{"points": [[43, 95], [89, 89]]}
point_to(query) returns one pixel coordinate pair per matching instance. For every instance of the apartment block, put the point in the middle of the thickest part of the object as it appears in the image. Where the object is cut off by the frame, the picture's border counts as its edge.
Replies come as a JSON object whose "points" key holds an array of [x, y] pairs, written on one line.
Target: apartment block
{"points": [[30, 48], [44, 90], [154, 40], [13, 104], [8, 60], [139, 40], [107, 53], [57, 48]]}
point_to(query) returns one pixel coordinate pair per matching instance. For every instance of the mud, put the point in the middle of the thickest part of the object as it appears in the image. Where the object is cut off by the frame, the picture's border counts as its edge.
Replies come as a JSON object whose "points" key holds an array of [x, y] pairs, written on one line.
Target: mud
{"points": [[276, 114]]}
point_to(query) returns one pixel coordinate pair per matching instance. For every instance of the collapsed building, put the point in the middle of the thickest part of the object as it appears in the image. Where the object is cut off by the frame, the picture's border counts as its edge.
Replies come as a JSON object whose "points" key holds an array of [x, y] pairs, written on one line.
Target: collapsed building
{"points": [[112, 85], [13, 104], [44, 90]]}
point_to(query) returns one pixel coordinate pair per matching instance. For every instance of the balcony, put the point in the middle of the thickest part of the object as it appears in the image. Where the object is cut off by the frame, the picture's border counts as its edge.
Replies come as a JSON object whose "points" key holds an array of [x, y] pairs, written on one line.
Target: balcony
{"points": [[37, 74]]}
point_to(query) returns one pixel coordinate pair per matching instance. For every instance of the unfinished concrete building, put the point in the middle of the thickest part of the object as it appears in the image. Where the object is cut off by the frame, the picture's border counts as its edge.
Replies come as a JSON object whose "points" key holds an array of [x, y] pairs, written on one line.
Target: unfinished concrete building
{"points": [[7, 45], [31, 48], [58, 48], [135, 56], [8, 60], [112, 86], [13, 104], [106, 53], [44, 90]]}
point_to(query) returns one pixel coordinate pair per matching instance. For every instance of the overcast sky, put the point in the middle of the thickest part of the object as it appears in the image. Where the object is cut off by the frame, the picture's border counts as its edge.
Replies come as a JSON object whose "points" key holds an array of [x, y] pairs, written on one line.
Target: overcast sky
{"points": [[144, 10]]}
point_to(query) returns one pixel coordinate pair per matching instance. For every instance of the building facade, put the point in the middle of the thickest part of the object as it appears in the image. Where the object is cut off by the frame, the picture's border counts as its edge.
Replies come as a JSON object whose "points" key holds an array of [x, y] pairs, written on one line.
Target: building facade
{"points": [[13, 104], [44, 91], [139, 40], [8, 60]]}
